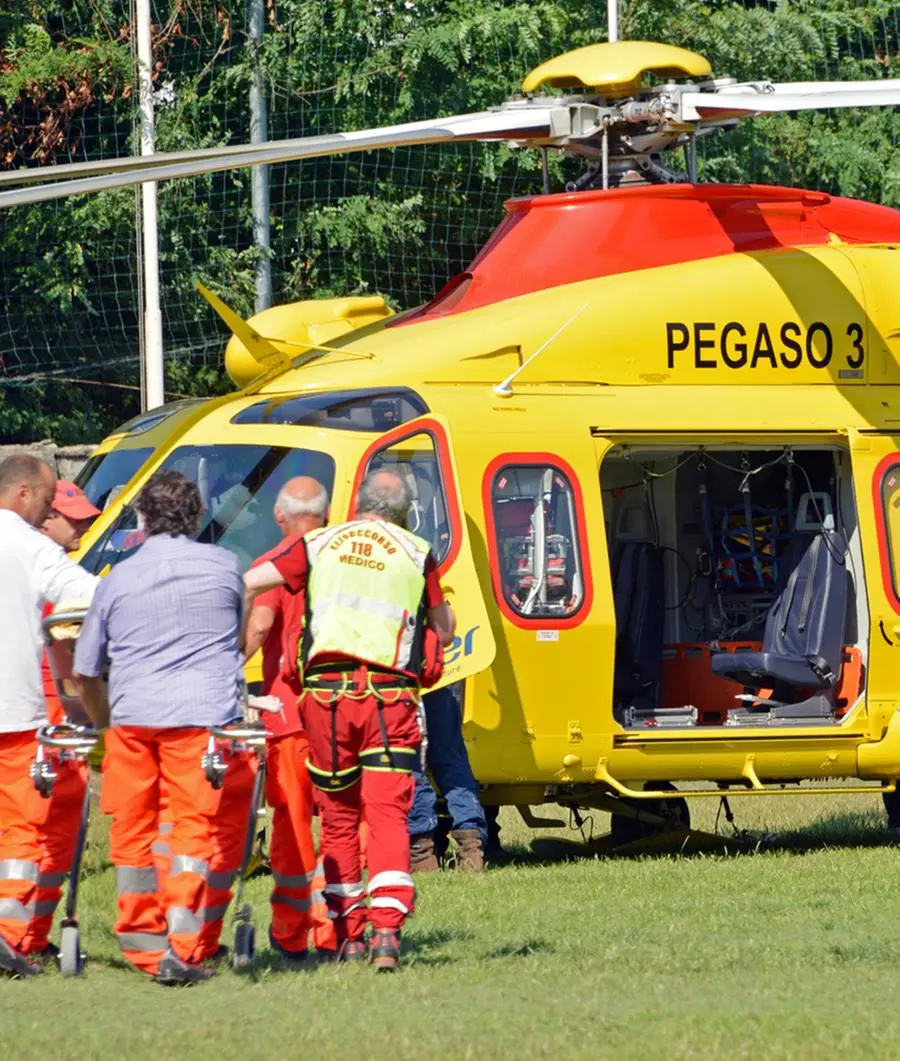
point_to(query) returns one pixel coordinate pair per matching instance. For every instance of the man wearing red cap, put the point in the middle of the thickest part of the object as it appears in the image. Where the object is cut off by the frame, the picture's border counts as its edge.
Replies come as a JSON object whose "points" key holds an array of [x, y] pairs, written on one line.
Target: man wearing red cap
{"points": [[70, 516]]}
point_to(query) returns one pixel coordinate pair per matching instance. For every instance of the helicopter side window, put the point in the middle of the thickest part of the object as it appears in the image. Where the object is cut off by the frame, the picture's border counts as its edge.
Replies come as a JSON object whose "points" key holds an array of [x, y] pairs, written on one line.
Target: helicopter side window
{"points": [[890, 502], [539, 568], [415, 459]]}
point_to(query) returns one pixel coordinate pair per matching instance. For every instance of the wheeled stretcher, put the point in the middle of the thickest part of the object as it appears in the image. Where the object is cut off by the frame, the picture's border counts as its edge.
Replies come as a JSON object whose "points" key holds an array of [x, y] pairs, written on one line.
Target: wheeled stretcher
{"points": [[58, 744], [224, 743], [73, 739]]}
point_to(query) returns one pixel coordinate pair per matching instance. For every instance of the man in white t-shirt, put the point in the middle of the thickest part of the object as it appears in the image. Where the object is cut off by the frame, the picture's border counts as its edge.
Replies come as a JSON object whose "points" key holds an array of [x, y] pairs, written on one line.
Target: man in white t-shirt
{"points": [[34, 571]]}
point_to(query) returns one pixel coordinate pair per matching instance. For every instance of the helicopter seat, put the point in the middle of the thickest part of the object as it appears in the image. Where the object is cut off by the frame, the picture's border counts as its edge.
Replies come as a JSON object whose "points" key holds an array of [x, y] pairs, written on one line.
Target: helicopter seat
{"points": [[638, 580], [801, 655]]}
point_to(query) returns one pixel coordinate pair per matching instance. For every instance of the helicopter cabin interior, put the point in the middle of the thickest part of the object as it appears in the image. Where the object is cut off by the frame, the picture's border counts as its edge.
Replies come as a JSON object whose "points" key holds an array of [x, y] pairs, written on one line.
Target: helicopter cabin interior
{"points": [[737, 579]]}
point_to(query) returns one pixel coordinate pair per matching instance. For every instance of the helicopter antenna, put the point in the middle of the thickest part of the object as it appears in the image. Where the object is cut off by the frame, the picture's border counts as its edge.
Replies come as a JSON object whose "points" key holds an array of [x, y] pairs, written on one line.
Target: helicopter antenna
{"points": [[504, 389]]}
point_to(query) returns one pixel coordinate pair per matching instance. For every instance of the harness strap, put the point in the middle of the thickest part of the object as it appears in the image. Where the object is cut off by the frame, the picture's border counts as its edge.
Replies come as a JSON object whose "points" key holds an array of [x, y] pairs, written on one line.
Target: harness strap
{"points": [[344, 685], [706, 515], [806, 602], [388, 760], [751, 531], [388, 752], [330, 781]]}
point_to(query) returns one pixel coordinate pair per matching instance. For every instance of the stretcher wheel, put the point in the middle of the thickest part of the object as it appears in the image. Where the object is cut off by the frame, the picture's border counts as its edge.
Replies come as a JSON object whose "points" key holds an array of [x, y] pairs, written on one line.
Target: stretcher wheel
{"points": [[244, 946], [71, 960]]}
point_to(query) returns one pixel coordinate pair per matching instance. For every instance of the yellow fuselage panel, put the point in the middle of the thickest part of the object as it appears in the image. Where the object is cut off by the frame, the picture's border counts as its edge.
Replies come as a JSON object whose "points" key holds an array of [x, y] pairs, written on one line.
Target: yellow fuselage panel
{"points": [[792, 317]]}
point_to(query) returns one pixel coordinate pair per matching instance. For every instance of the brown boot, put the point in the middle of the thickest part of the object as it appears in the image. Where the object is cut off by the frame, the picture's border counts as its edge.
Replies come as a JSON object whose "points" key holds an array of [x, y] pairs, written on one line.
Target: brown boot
{"points": [[471, 849], [422, 858]]}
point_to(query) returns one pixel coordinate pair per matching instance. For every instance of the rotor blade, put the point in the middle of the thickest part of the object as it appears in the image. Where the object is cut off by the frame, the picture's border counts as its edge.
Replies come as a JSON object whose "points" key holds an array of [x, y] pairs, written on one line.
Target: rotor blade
{"points": [[781, 88], [35, 174], [720, 104], [518, 123]]}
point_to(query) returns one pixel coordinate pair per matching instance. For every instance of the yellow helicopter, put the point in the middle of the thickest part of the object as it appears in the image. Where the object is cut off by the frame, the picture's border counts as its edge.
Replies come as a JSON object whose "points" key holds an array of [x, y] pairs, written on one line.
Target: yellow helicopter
{"points": [[652, 432]]}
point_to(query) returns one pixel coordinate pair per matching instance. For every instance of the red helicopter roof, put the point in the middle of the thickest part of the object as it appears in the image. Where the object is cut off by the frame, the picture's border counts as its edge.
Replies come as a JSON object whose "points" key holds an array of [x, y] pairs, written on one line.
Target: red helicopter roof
{"points": [[546, 241]]}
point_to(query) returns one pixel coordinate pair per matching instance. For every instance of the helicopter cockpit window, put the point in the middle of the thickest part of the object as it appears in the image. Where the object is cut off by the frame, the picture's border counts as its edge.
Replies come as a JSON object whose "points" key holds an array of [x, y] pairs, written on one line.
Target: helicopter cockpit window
{"points": [[540, 566], [105, 474], [415, 459], [375, 410], [238, 485], [145, 421]]}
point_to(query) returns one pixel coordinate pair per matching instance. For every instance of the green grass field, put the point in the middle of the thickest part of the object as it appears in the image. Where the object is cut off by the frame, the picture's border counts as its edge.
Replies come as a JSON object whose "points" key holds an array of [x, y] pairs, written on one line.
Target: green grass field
{"points": [[787, 953]]}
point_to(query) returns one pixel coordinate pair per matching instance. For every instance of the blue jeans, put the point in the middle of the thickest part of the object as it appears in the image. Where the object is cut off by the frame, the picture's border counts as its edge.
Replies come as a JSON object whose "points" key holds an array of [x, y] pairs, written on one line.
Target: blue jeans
{"points": [[448, 762]]}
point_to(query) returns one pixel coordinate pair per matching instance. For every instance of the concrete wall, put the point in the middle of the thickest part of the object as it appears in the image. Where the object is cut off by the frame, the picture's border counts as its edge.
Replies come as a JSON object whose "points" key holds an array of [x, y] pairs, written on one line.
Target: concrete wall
{"points": [[67, 461]]}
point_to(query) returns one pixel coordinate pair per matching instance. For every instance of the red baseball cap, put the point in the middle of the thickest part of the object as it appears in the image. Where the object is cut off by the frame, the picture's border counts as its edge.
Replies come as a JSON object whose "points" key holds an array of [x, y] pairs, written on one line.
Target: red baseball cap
{"points": [[69, 499]]}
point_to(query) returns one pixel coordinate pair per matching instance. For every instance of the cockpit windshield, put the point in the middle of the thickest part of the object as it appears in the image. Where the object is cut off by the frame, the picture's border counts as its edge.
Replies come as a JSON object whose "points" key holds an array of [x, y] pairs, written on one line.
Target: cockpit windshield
{"points": [[238, 485], [105, 474]]}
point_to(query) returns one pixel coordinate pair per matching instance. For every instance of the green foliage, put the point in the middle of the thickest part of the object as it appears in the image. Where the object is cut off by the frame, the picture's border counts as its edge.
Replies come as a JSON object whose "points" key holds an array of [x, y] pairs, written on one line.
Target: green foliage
{"points": [[398, 223]]}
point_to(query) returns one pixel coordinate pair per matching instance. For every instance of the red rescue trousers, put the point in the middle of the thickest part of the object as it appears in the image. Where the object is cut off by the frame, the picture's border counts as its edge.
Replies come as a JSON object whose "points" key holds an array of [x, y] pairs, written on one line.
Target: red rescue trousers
{"points": [[37, 841], [354, 774], [182, 913], [292, 853]]}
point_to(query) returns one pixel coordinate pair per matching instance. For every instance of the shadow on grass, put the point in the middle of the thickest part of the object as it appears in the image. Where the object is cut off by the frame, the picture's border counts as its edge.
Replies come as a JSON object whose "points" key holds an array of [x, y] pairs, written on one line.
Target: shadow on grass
{"points": [[523, 949], [424, 948], [419, 948], [834, 831]]}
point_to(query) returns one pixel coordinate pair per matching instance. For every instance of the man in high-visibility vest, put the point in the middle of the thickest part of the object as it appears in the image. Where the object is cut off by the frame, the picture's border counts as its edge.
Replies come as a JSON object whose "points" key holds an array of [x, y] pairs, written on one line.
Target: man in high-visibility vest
{"points": [[275, 625], [375, 615]]}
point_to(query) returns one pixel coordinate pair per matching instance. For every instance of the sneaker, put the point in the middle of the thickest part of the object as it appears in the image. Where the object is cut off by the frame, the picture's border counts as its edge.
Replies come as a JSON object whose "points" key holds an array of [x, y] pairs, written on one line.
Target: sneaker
{"points": [[352, 950], [173, 972], [14, 963], [384, 952]]}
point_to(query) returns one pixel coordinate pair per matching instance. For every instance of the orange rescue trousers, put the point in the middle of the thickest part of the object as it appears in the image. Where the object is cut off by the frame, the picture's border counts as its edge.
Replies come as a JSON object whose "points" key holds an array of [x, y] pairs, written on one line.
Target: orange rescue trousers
{"points": [[37, 841], [183, 910], [356, 775], [297, 902]]}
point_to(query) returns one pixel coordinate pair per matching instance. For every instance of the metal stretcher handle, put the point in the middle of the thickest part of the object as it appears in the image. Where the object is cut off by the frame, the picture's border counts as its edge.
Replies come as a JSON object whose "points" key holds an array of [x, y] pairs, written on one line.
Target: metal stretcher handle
{"points": [[81, 739], [254, 736], [64, 615]]}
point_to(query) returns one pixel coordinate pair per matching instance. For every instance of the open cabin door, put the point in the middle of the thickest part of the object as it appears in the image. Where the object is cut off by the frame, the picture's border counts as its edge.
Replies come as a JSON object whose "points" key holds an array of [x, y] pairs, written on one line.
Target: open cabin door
{"points": [[420, 451], [876, 480]]}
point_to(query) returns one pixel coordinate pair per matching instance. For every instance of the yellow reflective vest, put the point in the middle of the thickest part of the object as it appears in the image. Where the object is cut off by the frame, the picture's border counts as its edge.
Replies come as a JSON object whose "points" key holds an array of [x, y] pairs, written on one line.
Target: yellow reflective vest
{"points": [[364, 595]]}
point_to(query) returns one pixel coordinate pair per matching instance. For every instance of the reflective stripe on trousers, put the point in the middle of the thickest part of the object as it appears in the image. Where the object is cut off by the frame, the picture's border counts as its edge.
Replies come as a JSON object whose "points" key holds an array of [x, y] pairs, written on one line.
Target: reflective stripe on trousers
{"points": [[149, 772], [37, 841], [292, 854]]}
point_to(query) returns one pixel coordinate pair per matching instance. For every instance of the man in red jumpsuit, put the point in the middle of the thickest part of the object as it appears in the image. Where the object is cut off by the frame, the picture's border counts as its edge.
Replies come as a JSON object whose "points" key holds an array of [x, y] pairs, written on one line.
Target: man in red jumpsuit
{"points": [[275, 625], [372, 598]]}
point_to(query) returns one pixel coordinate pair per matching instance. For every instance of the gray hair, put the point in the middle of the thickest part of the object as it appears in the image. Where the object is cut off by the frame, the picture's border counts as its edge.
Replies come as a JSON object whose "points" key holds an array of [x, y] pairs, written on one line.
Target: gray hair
{"points": [[21, 468], [291, 506], [385, 494]]}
